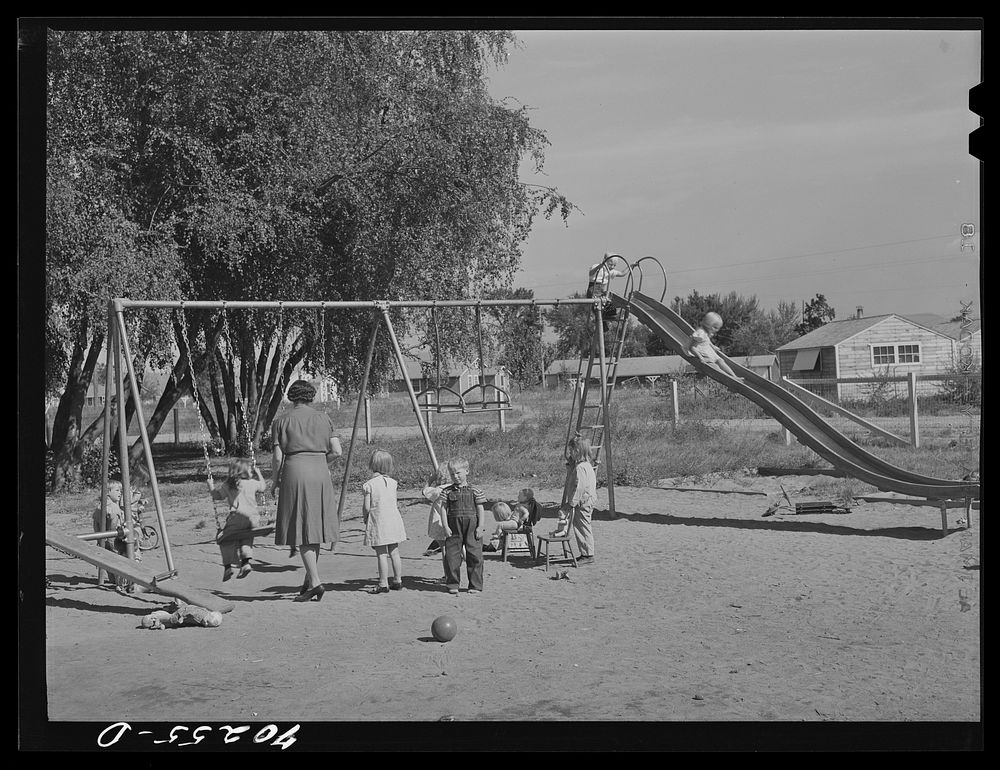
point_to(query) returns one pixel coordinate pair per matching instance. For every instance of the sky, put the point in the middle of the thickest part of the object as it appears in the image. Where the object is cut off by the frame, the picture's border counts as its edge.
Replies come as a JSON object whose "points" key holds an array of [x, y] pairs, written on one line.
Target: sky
{"points": [[775, 163]]}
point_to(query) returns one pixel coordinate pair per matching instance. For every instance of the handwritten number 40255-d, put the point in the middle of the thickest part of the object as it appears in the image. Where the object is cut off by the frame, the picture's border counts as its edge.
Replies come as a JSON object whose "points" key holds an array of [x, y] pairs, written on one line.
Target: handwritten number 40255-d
{"points": [[186, 736]]}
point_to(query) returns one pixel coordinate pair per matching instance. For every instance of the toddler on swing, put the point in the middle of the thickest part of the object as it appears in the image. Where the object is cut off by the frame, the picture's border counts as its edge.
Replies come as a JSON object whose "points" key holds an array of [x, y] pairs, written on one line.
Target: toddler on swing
{"points": [[240, 490]]}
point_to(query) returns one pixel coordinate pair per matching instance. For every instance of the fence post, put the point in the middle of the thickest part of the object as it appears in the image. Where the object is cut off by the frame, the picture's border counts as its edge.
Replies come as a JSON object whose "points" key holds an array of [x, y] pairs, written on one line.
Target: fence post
{"points": [[501, 414], [914, 427], [368, 419], [674, 404], [177, 427], [788, 437]]}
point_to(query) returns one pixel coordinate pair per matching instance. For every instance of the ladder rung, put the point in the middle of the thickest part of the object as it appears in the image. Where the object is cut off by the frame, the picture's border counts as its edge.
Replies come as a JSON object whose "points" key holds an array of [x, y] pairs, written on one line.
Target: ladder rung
{"points": [[596, 427]]}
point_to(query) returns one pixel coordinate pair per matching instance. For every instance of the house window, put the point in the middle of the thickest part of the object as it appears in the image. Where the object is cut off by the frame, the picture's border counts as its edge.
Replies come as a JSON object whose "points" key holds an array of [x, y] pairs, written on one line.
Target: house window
{"points": [[806, 360], [885, 355], [909, 354]]}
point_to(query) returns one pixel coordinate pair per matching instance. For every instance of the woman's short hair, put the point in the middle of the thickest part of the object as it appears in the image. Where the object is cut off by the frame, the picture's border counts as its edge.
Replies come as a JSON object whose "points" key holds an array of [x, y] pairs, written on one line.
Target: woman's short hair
{"points": [[301, 392], [381, 462]]}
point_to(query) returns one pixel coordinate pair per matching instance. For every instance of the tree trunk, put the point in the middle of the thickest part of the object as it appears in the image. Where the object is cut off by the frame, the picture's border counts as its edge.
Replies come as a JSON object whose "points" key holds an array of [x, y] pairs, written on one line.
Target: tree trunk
{"points": [[178, 385], [274, 402], [68, 447], [83, 361]]}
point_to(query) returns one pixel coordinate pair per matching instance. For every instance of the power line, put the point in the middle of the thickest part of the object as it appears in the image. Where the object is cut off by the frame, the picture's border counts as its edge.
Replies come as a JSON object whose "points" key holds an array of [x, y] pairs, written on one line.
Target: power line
{"points": [[813, 254], [780, 259], [859, 268]]}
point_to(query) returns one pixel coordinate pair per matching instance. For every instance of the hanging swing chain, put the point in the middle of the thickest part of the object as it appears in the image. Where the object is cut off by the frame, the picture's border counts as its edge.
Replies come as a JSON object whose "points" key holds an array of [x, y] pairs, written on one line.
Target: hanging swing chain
{"points": [[321, 339], [197, 407], [479, 340], [437, 346]]}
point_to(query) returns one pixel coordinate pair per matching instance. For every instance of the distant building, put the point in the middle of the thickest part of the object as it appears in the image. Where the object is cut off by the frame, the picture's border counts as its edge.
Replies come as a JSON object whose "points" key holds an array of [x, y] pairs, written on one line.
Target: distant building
{"points": [[643, 370], [884, 345]]}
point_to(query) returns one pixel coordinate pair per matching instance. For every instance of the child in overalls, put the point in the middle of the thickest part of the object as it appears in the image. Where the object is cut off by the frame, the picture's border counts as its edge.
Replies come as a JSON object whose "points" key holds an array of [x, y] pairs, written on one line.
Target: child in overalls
{"points": [[466, 523]]}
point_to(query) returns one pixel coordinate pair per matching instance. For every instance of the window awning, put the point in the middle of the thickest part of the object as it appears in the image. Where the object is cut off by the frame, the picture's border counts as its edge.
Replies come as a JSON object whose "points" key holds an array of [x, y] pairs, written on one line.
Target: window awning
{"points": [[805, 360]]}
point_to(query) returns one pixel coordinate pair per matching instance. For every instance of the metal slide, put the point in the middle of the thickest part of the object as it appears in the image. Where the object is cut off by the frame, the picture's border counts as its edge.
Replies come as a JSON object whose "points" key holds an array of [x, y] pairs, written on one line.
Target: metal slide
{"points": [[808, 426], [113, 562]]}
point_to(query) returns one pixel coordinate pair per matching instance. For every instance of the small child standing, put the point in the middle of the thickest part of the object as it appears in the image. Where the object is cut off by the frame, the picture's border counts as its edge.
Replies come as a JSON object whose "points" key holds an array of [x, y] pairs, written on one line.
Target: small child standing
{"points": [[579, 496], [384, 529], [702, 347], [239, 490], [110, 516], [465, 521]]}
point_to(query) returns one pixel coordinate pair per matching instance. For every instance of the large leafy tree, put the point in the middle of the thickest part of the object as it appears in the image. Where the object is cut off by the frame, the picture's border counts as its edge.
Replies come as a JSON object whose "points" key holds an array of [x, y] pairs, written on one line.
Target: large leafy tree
{"points": [[284, 166]]}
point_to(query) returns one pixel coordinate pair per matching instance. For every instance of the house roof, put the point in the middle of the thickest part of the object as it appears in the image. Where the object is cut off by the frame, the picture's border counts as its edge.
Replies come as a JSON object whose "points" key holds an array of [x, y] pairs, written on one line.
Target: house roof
{"points": [[835, 332], [652, 366], [639, 366]]}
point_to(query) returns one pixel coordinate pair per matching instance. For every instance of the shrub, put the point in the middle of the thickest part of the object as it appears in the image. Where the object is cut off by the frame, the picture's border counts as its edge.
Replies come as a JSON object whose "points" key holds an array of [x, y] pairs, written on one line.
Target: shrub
{"points": [[92, 465]]}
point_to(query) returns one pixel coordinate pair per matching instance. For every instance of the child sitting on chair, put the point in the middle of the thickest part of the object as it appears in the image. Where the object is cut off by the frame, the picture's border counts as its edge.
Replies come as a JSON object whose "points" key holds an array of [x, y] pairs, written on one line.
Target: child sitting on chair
{"points": [[240, 490], [508, 521], [701, 346], [511, 521]]}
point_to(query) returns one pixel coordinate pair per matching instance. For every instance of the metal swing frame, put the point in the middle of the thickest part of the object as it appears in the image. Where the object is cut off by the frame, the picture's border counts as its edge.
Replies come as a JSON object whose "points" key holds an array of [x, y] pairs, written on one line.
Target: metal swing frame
{"points": [[120, 360]]}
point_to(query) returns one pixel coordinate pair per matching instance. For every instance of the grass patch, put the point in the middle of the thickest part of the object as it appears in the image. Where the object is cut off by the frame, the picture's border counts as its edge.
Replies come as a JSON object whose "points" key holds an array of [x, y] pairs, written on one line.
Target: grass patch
{"points": [[646, 446]]}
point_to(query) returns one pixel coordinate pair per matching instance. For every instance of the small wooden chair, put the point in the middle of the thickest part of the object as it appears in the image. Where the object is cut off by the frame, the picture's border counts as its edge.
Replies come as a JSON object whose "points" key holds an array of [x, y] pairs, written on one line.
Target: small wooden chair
{"points": [[525, 533], [565, 540]]}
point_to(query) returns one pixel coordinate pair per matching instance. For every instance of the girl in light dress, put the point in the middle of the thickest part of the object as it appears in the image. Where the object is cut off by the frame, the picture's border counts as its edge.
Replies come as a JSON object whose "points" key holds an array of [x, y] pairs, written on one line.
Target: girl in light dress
{"points": [[384, 529]]}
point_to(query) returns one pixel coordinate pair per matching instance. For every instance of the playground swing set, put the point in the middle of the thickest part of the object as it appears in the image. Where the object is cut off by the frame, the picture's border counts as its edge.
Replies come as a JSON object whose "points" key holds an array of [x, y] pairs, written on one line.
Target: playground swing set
{"points": [[491, 398]]}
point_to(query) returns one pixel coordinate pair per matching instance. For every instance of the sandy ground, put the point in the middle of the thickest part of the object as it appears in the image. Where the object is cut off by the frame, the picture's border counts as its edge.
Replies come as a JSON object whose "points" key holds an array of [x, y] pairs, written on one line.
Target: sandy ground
{"points": [[697, 608]]}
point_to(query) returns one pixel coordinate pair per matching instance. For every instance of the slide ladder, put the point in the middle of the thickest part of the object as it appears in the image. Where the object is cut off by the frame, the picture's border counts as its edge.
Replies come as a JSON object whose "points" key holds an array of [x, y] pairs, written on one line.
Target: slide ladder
{"points": [[587, 415]]}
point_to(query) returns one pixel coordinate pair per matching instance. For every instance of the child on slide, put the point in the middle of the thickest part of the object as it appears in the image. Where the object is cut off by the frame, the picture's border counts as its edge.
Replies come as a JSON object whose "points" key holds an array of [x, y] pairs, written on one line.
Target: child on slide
{"points": [[701, 346]]}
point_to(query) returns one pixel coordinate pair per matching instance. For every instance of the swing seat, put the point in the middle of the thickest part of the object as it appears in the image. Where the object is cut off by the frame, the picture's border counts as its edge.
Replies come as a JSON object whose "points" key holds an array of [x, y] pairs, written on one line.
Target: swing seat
{"points": [[499, 403], [243, 534], [439, 407]]}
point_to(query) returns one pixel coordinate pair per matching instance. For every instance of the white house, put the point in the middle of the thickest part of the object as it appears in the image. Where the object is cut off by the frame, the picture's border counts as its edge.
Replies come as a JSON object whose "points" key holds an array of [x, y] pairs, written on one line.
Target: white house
{"points": [[885, 345]]}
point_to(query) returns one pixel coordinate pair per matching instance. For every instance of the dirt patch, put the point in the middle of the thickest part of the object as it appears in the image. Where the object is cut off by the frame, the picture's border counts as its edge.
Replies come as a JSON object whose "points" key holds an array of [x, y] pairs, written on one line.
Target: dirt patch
{"points": [[697, 608]]}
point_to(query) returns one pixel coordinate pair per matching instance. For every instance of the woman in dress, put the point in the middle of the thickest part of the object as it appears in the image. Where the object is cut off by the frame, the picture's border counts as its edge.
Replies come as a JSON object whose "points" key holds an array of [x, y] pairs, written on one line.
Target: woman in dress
{"points": [[307, 506]]}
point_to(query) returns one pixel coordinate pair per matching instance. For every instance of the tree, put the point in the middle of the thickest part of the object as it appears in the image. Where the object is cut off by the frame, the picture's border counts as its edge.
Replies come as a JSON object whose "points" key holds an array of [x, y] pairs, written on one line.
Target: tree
{"points": [[766, 332], [573, 326], [815, 313], [276, 166], [737, 312], [516, 335]]}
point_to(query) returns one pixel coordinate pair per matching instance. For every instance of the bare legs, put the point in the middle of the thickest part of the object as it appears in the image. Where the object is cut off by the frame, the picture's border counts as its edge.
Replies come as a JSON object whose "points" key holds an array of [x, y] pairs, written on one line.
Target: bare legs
{"points": [[385, 554]]}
